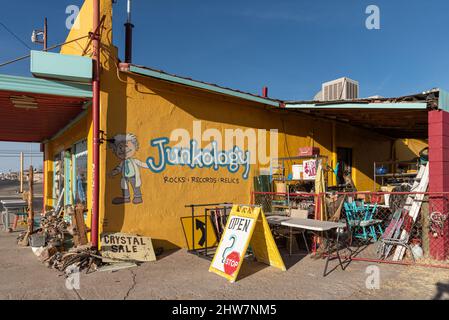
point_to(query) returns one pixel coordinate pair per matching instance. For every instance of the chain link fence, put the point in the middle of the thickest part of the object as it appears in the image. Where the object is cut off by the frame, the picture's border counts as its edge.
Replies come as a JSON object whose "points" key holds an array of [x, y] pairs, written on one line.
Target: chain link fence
{"points": [[388, 227]]}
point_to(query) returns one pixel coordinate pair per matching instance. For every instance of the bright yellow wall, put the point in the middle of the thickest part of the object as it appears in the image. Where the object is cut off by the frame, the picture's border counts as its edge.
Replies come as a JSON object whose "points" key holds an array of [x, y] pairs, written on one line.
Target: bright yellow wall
{"points": [[151, 109], [84, 22]]}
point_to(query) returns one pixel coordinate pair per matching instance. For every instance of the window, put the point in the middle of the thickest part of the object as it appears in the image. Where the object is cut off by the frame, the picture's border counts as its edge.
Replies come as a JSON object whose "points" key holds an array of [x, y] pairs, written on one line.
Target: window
{"points": [[79, 162], [67, 177], [58, 178]]}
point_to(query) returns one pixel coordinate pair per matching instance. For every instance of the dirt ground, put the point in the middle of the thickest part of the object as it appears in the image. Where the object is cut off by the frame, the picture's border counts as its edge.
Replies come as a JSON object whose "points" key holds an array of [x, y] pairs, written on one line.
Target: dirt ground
{"points": [[180, 275]]}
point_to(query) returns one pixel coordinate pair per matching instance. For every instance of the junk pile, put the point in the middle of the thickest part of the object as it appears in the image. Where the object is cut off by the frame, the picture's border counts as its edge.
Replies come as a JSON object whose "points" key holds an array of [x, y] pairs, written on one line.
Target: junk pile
{"points": [[81, 258], [56, 243]]}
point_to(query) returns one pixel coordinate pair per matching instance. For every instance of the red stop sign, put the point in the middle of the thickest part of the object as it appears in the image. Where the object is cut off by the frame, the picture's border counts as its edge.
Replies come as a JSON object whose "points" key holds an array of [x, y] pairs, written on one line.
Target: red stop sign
{"points": [[231, 263]]}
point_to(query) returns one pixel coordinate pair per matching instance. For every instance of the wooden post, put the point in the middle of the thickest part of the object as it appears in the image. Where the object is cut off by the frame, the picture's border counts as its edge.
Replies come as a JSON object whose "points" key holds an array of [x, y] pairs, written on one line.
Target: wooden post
{"points": [[45, 35], [21, 172], [334, 152], [30, 200], [81, 228]]}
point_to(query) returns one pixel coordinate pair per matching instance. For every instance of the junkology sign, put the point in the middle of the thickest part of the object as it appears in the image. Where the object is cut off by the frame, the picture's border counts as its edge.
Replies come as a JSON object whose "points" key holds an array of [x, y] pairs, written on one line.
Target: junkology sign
{"points": [[195, 157], [235, 151], [231, 149]]}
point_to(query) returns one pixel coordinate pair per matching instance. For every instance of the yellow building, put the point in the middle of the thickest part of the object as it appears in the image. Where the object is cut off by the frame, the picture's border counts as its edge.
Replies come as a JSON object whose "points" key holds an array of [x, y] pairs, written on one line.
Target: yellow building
{"points": [[145, 114]]}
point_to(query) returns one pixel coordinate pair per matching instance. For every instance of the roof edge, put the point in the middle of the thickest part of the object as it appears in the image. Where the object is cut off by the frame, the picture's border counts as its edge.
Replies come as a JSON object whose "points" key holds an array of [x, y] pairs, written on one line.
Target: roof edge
{"points": [[157, 74], [43, 86], [378, 106]]}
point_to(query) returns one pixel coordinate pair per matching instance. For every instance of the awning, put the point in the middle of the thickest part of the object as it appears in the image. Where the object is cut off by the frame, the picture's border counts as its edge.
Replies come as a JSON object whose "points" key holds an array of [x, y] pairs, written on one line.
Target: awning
{"points": [[33, 110], [396, 120]]}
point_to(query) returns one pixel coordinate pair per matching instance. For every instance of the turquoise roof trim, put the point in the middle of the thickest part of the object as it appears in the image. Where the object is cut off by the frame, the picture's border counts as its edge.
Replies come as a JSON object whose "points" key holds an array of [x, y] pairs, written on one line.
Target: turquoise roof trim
{"points": [[202, 85], [361, 106], [64, 67], [42, 86]]}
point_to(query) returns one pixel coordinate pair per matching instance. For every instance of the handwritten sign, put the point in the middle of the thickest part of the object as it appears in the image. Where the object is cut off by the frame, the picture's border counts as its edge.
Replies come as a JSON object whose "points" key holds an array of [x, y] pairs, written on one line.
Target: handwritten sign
{"points": [[310, 169], [245, 226], [127, 247]]}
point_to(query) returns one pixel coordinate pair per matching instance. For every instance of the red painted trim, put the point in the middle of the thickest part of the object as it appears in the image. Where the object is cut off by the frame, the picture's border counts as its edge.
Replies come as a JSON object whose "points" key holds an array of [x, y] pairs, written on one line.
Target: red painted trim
{"points": [[44, 173]]}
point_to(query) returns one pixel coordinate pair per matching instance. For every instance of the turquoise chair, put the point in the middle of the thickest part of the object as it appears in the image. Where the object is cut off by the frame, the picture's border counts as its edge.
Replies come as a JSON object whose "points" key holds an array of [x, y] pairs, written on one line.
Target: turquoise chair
{"points": [[360, 219], [372, 223]]}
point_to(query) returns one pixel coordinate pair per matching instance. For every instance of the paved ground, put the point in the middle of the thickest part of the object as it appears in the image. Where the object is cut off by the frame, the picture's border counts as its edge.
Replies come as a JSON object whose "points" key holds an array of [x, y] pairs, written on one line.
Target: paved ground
{"points": [[179, 275]]}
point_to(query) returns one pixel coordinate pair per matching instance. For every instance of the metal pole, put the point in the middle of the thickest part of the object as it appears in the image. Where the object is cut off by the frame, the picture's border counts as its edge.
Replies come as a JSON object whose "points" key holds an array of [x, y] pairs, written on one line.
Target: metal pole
{"points": [[128, 35], [96, 122], [193, 228], [44, 195], [206, 212]]}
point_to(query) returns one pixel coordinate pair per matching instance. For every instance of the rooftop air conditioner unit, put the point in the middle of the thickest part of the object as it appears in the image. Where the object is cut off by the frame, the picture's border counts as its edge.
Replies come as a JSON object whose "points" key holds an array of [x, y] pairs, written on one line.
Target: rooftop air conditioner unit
{"points": [[340, 89]]}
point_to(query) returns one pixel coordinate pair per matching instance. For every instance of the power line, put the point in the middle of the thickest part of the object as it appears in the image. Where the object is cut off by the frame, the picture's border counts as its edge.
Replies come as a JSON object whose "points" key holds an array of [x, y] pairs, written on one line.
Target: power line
{"points": [[48, 49], [17, 156], [14, 35], [17, 150]]}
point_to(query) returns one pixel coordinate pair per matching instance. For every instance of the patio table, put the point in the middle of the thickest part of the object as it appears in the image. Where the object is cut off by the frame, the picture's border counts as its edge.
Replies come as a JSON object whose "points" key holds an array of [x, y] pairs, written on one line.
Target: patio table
{"points": [[314, 226], [10, 206]]}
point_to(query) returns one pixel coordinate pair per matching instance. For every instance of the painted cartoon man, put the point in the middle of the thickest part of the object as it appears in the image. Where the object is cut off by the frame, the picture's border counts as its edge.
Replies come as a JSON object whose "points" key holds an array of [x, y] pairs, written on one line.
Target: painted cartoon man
{"points": [[125, 147]]}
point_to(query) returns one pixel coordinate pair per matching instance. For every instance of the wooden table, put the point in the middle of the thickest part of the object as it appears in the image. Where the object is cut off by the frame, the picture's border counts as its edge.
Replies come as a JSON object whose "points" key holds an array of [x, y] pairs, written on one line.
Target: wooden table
{"points": [[10, 206], [314, 226]]}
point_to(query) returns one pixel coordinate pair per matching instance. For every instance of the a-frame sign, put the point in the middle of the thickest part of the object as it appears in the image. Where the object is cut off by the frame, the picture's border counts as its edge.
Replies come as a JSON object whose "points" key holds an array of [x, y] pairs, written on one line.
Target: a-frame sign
{"points": [[246, 226]]}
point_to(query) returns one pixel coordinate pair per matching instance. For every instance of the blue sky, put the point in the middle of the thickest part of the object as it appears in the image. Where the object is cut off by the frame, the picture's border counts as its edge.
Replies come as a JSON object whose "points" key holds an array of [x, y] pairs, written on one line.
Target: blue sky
{"points": [[290, 46]]}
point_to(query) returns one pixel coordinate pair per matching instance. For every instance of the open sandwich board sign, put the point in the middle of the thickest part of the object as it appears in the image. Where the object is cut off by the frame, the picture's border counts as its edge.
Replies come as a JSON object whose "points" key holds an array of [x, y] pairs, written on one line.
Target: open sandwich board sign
{"points": [[246, 226]]}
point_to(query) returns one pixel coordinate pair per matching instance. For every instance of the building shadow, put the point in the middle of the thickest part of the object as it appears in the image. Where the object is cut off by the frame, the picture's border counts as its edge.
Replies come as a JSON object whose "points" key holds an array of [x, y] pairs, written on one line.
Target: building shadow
{"points": [[161, 253], [250, 266], [442, 291]]}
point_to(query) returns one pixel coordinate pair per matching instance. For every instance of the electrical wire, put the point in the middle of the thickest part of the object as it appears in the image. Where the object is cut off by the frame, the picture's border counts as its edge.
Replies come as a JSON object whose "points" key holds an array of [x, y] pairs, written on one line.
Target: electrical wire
{"points": [[48, 49], [15, 157], [17, 150], [14, 35]]}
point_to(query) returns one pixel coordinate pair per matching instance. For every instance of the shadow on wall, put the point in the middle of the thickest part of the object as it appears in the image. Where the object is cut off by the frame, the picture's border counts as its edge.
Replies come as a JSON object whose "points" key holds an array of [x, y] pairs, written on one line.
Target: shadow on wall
{"points": [[116, 118]]}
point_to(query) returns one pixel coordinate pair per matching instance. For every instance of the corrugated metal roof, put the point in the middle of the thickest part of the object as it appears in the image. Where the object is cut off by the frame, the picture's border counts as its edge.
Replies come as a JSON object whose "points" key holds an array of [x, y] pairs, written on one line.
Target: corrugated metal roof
{"points": [[33, 110]]}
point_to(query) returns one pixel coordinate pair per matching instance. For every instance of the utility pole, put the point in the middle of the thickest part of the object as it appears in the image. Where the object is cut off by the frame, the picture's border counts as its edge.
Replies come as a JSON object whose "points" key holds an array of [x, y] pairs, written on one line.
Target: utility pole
{"points": [[45, 35], [41, 36]]}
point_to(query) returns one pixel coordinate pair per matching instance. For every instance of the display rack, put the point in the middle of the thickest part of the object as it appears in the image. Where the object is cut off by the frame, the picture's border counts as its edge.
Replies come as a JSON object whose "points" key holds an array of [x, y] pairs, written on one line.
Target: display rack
{"points": [[397, 172], [279, 174]]}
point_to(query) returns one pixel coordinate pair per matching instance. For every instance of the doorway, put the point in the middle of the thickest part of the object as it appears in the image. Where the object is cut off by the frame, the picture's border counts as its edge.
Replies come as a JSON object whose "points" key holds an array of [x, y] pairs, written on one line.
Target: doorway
{"points": [[344, 160]]}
